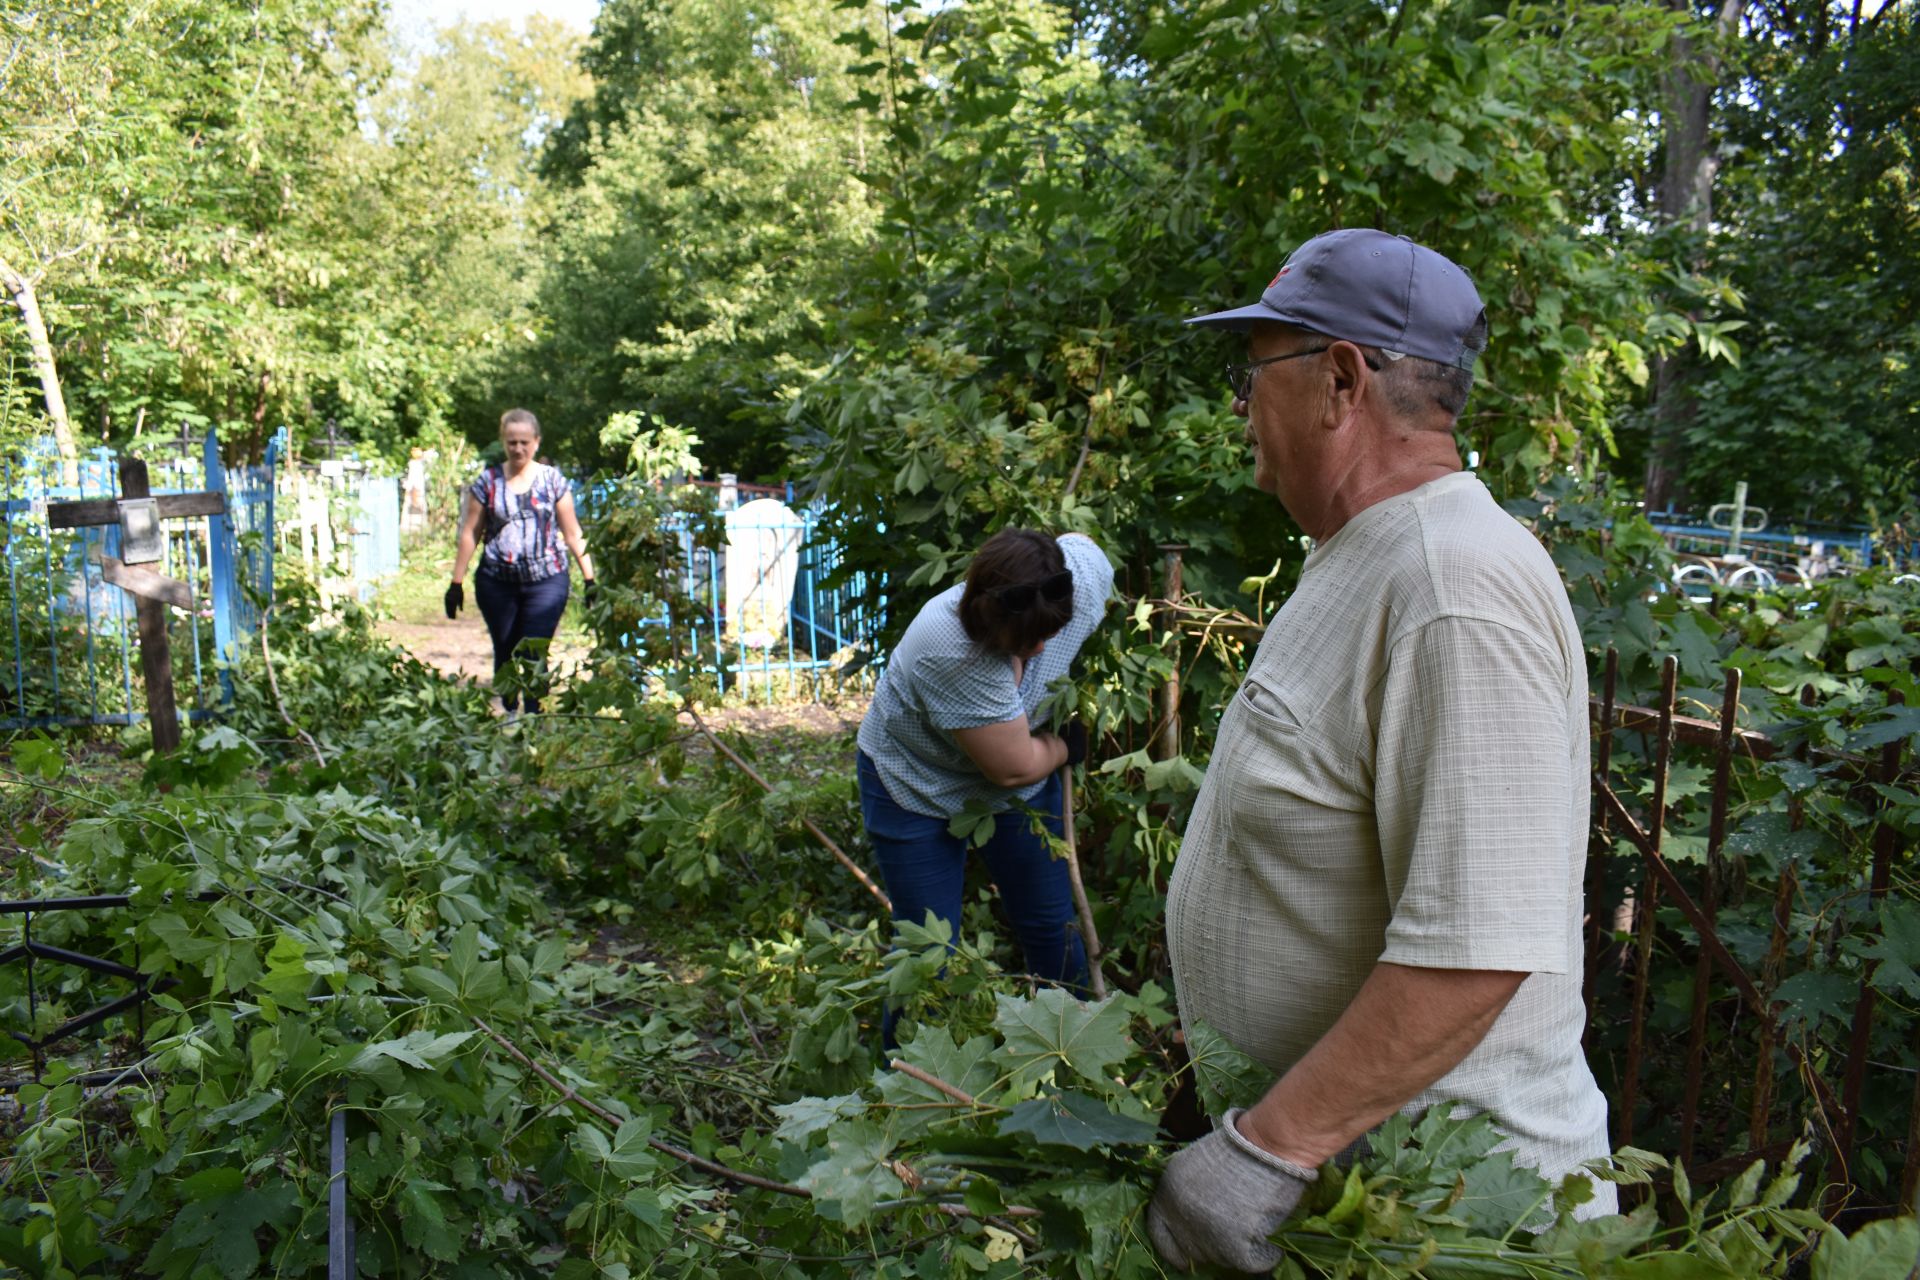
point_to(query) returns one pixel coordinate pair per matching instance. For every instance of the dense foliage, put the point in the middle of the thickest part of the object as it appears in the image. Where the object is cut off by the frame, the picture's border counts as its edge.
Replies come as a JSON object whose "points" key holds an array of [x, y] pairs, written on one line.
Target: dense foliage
{"points": [[568, 979], [435, 924]]}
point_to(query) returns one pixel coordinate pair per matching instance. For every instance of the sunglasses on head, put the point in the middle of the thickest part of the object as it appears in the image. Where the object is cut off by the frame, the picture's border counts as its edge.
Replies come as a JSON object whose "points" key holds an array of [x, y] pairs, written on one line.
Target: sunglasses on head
{"points": [[1019, 597]]}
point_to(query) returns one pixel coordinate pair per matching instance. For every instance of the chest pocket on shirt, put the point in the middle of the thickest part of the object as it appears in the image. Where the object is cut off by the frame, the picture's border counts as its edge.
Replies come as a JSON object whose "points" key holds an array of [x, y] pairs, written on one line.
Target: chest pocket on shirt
{"points": [[1285, 756]]}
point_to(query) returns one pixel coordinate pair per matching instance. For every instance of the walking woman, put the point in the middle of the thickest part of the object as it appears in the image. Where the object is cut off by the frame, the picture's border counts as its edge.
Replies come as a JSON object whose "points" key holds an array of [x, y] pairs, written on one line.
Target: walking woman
{"points": [[515, 509], [953, 722]]}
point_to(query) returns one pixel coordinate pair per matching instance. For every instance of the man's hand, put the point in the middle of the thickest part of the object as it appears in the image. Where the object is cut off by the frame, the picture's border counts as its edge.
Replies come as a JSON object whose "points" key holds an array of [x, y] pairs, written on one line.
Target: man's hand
{"points": [[456, 599], [1220, 1199]]}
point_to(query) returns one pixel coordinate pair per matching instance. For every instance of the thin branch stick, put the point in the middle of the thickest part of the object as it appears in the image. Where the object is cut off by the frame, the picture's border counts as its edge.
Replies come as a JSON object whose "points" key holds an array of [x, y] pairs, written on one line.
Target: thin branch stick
{"points": [[1086, 438], [865, 880], [1080, 906], [273, 683], [958, 1095], [607, 1117], [961, 1211]]}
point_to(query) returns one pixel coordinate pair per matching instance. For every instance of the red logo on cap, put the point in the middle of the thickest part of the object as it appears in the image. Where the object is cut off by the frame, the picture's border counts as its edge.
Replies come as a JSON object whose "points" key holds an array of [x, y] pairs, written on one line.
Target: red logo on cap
{"points": [[1276, 279]]}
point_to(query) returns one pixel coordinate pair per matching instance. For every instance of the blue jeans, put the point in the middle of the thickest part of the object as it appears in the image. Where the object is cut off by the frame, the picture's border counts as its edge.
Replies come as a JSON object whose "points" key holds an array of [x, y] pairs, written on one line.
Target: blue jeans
{"points": [[517, 611], [925, 870]]}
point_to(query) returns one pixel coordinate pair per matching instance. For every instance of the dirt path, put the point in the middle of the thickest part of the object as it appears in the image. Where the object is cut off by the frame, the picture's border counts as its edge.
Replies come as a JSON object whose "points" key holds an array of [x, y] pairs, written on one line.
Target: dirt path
{"points": [[463, 650]]}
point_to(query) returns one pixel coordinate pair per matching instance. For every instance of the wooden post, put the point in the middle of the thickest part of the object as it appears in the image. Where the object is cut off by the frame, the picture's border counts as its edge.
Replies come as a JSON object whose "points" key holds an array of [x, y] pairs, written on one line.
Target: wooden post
{"points": [[156, 654], [1166, 743]]}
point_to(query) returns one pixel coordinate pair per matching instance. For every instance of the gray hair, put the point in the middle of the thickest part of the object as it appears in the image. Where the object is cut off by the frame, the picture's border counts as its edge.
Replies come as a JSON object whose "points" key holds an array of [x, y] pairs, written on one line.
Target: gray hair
{"points": [[1416, 386]]}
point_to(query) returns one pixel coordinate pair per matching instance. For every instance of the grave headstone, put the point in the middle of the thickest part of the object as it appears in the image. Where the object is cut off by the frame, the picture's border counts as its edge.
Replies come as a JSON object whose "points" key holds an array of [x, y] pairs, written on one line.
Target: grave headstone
{"points": [[763, 559]]}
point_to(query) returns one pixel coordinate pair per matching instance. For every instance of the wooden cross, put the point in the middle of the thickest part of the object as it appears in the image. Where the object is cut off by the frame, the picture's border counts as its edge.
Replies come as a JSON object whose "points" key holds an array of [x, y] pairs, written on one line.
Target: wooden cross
{"points": [[143, 542]]}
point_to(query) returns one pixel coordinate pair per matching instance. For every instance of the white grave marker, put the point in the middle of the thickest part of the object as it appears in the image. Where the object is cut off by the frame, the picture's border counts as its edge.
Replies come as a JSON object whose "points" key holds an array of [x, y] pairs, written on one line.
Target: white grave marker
{"points": [[763, 559]]}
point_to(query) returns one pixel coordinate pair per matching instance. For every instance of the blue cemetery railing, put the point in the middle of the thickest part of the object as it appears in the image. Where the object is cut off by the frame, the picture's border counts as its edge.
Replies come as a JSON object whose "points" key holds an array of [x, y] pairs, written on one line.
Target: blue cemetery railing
{"points": [[777, 636], [798, 634], [73, 635], [1688, 533]]}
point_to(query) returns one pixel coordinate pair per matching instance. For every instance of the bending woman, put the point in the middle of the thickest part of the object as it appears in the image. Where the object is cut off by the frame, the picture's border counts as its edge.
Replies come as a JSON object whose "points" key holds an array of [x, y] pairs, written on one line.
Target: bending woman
{"points": [[521, 586], [952, 721]]}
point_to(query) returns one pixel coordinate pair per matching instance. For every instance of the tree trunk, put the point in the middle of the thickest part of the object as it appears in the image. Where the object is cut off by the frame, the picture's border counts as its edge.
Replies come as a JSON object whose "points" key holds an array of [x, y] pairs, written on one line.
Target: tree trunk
{"points": [[1685, 200], [20, 289]]}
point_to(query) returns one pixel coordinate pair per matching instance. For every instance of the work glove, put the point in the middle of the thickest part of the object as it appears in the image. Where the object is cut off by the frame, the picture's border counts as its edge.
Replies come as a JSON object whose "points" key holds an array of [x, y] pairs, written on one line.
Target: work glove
{"points": [[589, 592], [456, 599], [1074, 734], [1220, 1199]]}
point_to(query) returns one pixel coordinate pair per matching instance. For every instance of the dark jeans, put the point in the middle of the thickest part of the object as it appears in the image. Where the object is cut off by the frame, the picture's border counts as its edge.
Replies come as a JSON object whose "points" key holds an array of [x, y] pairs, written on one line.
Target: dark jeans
{"points": [[517, 611], [925, 869]]}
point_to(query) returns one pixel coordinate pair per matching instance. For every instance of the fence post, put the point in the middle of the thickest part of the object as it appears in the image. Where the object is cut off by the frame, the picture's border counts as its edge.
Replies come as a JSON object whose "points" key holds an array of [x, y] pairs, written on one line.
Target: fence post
{"points": [[1167, 743], [1886, 839], [220, 567], [1646, 904], [276, 449]]}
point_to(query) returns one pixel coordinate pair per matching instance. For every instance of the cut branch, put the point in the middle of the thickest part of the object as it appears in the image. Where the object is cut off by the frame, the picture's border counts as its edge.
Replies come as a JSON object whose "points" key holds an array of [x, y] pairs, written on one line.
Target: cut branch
{"points": [[865, 880], [908, 1069]]}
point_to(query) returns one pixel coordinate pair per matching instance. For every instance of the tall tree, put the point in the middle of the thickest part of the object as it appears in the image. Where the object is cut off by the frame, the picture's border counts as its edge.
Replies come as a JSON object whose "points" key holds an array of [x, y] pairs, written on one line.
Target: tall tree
{"points": [[707, 191], [1684, 204], [1818, 227]]}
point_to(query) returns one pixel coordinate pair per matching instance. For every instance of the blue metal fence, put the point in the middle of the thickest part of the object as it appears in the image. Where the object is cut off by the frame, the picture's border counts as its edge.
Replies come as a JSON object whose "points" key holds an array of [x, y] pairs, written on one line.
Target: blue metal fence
{"points": [[811, 631], [73, 634], [1690, 534], [786, 618]]}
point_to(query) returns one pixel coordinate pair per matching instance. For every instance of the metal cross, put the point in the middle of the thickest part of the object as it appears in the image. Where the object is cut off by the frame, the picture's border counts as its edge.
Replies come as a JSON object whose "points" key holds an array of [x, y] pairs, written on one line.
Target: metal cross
{"points": [[143, 542]]}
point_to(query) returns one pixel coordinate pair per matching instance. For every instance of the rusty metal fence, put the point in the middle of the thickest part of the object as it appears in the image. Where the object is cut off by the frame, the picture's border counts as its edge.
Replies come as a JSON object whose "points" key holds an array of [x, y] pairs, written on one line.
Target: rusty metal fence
{"points": [[1710, 1086]]}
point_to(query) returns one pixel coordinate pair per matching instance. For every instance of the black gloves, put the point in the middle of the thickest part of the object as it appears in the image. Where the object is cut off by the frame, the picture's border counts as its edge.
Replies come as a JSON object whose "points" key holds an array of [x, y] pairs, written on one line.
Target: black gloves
{"points": [[1074, 734], [456, 599], [589, 591]]}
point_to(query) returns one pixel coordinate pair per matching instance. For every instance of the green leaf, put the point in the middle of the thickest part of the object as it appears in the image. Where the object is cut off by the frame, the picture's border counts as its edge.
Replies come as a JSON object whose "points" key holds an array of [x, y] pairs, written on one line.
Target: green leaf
{"points": [[1496, 1194], [855, 1175], [1054, 1030], [1176, 773], [801, 1120], [1812, 995], [424, 1223], [1883, 1250], [286, 979], [1074, 1120], [967, 1067], [1894, 724], [630, 1156], [1225, 1077], [421, 1049], [1109, 1213], [39, 754], [1897, 949]]}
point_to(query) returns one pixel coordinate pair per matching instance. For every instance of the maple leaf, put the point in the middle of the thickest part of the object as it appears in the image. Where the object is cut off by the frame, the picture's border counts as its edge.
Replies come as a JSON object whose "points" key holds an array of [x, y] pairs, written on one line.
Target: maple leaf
{"points": [[1054, 1030]]}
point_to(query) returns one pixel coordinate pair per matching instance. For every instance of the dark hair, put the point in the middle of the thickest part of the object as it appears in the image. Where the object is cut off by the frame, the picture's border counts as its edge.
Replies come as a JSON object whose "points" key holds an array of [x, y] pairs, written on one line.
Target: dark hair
{"points": [[1014, 558], [513, 417]]}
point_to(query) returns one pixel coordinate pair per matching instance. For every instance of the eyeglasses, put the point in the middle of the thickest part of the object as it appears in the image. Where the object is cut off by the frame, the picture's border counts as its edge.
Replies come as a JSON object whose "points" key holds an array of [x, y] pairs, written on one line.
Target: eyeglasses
{"points": [[1240, 376], [1019, 597]]}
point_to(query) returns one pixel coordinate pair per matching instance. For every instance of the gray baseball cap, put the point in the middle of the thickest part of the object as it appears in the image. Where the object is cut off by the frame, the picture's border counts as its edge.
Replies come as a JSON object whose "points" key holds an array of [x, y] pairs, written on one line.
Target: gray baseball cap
{"points": [[1375, 289]]}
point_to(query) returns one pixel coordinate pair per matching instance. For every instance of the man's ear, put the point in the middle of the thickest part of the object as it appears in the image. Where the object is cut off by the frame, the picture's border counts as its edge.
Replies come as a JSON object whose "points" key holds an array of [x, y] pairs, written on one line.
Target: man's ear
{"points": [[1349, 375]]}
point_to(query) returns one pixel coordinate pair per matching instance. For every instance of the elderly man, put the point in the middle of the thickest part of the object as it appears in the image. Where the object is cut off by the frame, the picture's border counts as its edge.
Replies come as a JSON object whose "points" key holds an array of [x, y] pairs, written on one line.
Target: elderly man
{"points": [[1379, 893]]}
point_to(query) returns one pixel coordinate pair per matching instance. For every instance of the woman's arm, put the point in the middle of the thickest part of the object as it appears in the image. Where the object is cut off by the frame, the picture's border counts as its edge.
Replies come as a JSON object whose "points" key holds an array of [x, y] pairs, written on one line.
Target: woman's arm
{"points": [[1010, 754], [570, 530], [468, 539]]}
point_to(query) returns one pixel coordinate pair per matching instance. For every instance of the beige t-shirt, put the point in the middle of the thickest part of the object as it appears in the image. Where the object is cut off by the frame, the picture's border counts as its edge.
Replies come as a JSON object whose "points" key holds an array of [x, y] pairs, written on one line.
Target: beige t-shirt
{"points": [[1403, 777]]}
